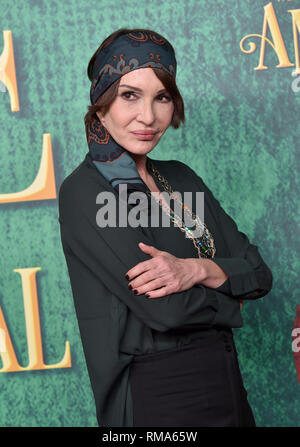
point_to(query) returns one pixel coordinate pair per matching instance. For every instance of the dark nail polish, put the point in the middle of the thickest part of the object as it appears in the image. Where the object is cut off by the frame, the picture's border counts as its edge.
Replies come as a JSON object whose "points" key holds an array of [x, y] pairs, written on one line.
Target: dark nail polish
{"points": [[135, 291], [130, 287], [127, 277], [147, 295]]}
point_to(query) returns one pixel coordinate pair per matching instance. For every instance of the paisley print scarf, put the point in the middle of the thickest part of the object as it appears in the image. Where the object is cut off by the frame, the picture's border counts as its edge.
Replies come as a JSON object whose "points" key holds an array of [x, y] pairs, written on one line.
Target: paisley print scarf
{"points": [[128, 52]]}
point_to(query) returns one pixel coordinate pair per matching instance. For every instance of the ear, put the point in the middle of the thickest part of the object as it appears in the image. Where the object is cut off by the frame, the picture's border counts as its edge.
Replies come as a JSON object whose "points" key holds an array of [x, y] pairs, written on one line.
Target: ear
{"points": [[100, 116]]}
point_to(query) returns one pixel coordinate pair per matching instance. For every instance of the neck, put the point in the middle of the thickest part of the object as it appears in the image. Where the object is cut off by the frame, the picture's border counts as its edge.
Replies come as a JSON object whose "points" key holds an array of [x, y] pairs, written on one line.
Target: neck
{"points": [[140, 162]]}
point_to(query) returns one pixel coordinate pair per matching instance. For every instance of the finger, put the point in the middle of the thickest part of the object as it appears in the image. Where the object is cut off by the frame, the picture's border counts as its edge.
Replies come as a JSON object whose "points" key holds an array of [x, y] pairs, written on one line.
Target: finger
{"points": [[153, 251], [138, 269], [144, 279], [149, 286], [164, 291]]}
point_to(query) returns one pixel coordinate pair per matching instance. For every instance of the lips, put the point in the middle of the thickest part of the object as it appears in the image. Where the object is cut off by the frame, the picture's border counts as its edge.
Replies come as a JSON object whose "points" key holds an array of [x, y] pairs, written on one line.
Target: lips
{"points": [[145, 132]]}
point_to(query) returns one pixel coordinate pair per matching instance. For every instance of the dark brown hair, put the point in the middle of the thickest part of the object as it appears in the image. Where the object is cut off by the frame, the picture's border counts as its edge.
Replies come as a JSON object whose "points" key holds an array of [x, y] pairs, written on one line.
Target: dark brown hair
{"points": [[104, 101]]}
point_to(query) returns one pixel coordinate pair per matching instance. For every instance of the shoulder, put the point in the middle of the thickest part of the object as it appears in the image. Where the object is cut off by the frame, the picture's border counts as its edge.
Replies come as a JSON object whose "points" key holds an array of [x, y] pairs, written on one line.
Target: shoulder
{"points": [[79, 189], [169, 164], [173, 166], [181, 171], [186, 177], [83, 179]]}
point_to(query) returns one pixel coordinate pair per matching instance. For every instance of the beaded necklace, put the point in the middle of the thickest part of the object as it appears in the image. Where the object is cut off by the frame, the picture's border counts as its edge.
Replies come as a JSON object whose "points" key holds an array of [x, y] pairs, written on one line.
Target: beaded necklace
{"points": [[205, 243]]}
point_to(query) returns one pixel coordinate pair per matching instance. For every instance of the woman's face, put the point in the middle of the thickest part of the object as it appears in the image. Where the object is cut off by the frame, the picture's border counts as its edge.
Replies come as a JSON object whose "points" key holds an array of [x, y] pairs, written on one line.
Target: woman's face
{"points": [[142, 104]]}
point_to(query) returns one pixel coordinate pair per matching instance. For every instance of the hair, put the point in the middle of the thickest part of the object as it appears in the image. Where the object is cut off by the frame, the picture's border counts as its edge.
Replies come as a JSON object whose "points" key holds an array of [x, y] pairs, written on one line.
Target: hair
{"points": [[105, 100]]}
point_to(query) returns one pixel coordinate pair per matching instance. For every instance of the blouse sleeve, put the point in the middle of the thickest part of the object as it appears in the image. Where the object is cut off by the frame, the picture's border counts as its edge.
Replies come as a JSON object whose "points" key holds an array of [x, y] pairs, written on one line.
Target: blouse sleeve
{"points": [[249, 276], [108, 253]]}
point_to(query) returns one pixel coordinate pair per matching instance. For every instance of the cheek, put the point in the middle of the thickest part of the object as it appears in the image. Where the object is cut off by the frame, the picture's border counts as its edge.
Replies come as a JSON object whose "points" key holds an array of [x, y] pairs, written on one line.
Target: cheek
{"points": [[119, 113], [166, 115], [123, 116]]}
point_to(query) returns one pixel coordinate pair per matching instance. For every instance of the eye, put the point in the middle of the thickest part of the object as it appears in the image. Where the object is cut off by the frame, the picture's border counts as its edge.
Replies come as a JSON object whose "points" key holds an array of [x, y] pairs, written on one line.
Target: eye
{"points": [[168, 98], [127, 93]]}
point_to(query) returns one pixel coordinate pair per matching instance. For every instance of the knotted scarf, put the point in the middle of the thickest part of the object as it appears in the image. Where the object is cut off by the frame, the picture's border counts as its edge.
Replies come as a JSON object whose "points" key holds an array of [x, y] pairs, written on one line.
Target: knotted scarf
{"points": [[126, 53]]}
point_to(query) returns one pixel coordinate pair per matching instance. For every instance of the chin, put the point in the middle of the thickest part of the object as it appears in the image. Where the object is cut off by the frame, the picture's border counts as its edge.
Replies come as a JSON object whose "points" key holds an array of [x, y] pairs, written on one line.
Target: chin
{"points": [[141, 150], [139, 153]]}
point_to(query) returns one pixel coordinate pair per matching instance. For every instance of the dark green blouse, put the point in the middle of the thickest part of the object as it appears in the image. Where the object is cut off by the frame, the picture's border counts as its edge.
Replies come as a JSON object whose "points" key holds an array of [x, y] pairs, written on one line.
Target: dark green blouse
{"points": [[115, 325]]}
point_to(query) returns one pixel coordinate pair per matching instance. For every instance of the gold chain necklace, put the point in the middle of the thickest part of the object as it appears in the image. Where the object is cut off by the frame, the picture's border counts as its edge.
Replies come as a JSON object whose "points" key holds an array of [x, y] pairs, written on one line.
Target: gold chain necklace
{"points": [[205, 243]]}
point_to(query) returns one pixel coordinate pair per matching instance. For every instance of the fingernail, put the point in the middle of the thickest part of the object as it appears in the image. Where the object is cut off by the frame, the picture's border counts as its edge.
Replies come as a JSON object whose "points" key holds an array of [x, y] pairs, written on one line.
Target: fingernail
{"points": [[135, 291], [129, 286], [127, 277], [147, 295]]}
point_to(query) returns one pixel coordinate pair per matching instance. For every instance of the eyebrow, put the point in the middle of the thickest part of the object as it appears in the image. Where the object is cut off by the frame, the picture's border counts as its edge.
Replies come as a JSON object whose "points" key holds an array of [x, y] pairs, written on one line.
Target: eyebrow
{"points": [[140, 90]]}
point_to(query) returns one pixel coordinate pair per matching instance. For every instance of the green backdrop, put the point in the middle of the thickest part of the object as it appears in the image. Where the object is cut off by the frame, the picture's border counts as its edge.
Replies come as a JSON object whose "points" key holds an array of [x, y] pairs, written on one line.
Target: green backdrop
{"points": [[241, 135]]}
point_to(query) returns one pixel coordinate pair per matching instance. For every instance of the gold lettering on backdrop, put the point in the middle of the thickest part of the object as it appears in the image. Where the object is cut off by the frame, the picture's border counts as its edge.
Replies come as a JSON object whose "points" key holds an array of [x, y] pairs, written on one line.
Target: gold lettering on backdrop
{"points": [[278, 45], [2, 341], [33, 331], [8, 71], [43, 187], [296, 24]]}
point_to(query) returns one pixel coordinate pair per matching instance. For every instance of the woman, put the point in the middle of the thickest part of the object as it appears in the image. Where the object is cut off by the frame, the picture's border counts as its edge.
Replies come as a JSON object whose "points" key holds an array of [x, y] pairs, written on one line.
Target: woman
{"points": [[155, 308]]}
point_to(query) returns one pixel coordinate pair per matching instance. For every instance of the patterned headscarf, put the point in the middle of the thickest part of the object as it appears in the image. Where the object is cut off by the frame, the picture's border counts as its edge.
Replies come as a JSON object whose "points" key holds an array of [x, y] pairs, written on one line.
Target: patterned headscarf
{"points": [[128, 52]]}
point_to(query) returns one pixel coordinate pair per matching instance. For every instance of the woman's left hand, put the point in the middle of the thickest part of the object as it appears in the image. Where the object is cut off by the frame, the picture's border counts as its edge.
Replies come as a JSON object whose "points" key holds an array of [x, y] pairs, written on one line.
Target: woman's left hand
{"points": [[164, 271]]}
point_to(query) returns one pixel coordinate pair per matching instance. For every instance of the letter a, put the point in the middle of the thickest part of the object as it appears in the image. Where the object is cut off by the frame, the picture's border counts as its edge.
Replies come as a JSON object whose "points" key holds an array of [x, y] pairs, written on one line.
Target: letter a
{"points": [[278, 45]]}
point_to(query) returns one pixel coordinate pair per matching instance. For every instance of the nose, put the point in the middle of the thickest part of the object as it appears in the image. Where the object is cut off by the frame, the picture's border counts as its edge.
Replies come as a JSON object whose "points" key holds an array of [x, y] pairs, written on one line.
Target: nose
{"points": [[146, 113]]}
